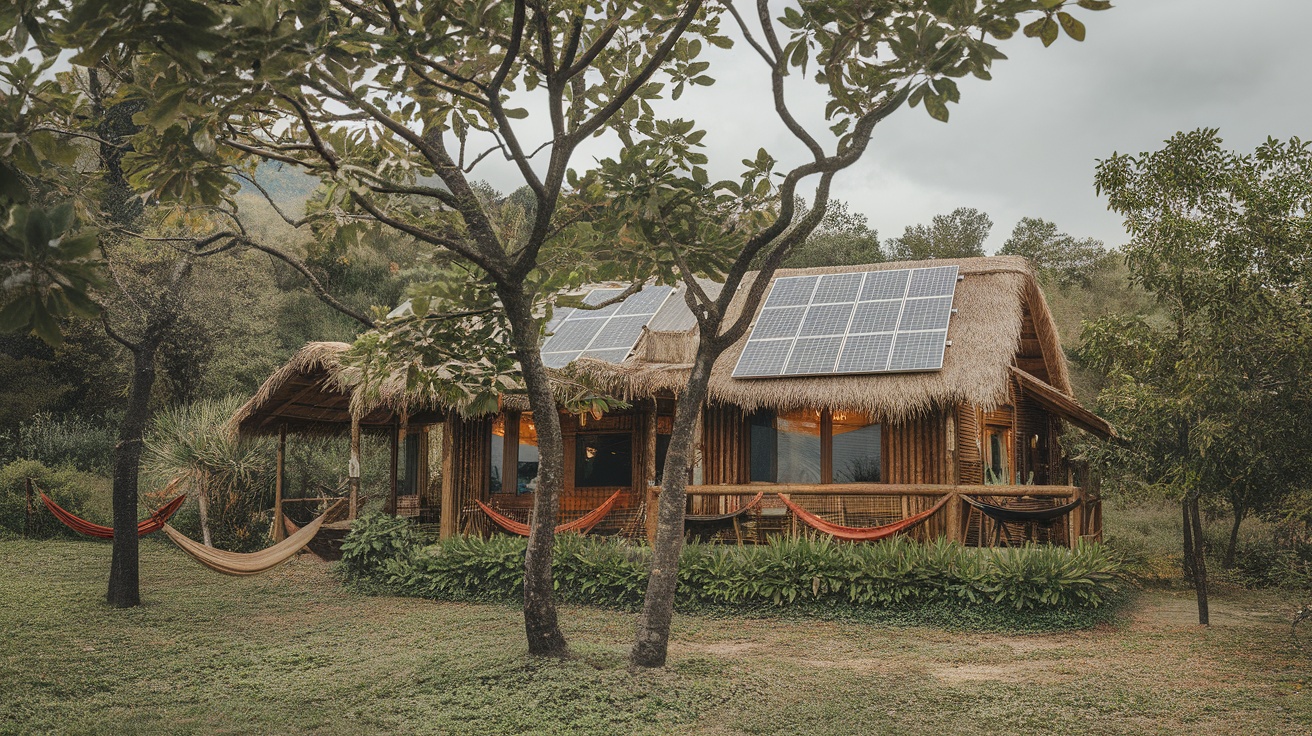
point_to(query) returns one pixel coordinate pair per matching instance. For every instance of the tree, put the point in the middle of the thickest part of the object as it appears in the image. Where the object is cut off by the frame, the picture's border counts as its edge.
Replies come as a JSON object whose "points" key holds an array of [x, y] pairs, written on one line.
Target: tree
{"points": [[960, 234], [843, 238], [1213, 402], [394, 105], [1059, 258], [73, 216]]}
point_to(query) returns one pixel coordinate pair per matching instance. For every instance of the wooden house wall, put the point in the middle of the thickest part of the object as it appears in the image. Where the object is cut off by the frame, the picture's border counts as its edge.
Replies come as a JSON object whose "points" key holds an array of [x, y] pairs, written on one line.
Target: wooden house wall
{"points": [[970, 446], [470, 458]]}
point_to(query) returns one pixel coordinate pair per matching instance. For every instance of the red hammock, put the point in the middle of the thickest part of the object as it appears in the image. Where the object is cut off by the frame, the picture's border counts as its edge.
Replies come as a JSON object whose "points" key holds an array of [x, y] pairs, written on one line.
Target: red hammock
{"points": [[860, 533], [152, 523], [582, 525]]}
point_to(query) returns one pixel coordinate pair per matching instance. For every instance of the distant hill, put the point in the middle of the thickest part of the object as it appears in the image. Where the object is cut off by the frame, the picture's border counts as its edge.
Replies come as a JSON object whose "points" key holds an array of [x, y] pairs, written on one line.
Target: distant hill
{"points": [[288, 186]]}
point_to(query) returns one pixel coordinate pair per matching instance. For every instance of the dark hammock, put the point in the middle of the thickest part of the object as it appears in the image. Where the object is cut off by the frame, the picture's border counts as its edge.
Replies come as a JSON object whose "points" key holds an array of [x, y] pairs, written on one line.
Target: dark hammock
{"points": [[704, 527], [152, 523], [1008, 515], [582, 525], [860, 533]]}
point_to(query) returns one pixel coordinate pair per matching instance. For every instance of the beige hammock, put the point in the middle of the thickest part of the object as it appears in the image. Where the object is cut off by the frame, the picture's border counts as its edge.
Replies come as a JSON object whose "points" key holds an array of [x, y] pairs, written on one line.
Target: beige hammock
{"points": [[252, 563]]}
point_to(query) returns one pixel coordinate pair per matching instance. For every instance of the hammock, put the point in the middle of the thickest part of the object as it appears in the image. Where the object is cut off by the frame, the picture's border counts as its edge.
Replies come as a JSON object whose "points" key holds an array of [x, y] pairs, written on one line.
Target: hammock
{"points": [[152, 523], [860, 533], [704, 527], [253, 563], [1007, 515], [582, 525]]}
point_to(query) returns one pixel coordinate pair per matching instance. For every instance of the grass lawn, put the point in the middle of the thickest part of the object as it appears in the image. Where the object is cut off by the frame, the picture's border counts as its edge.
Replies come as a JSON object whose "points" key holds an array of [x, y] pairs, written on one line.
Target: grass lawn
{"points": [[289, 652]]}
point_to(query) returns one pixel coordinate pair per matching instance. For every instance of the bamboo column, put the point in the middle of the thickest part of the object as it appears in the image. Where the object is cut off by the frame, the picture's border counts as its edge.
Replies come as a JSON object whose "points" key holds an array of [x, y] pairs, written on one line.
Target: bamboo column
{"points": [[450, 514], [391, 486], [649, 470], [279, 531], [353, 469]]}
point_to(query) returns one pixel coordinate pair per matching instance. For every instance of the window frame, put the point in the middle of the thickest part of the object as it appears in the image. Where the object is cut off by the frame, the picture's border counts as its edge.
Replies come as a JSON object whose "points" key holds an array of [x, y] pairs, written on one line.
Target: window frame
{"points": [[826, 448]]}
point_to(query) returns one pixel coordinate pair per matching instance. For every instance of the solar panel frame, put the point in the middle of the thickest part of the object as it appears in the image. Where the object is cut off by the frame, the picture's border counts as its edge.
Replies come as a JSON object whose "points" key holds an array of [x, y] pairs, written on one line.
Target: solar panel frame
{"points": [[894, 321], [617, 326]]}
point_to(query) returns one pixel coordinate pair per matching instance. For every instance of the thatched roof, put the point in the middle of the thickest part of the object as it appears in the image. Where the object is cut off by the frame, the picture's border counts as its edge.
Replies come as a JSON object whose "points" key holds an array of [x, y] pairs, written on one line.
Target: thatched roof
{"points": [[1000, 311], [1002, 323]]}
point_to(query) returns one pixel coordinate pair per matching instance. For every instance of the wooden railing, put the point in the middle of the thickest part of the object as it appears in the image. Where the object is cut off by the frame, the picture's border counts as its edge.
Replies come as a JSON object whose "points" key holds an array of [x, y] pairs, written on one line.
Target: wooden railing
{"points": [[1077, 527]]}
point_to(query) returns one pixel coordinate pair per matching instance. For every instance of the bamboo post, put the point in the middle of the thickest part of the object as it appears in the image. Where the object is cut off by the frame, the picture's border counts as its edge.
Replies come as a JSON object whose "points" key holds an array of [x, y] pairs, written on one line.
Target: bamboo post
{"points": [[1076, 518], [649, 470], [953, 509], [449, 512], [27, 513], [353, 468], [279, 531], [391, 486]]}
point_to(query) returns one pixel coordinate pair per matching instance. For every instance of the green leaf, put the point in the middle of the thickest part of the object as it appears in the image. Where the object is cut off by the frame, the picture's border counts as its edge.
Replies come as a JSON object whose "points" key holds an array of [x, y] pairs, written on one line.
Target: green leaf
{"points": [[516, 113], [936, 107], [1048, 34], [1073, 27]]}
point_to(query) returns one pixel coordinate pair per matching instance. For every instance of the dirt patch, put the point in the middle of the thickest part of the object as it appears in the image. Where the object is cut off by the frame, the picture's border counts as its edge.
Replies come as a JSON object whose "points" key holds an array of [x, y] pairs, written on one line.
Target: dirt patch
{"points": [[982, 673]]}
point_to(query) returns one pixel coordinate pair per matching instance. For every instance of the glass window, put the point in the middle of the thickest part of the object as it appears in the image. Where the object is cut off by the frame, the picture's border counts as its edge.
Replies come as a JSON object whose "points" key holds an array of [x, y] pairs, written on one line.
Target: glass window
{"points": [[527, 466], [662, 449], [856, 448], [497, 455], [603, 460], [785, 447], [999, 464]]}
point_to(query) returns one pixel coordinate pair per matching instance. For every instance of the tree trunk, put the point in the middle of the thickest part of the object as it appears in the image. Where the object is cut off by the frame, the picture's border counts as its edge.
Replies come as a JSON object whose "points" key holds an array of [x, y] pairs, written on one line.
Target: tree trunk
{"points": [[540, 622], [124, 573], [203, 502], [651, 644], [1187, 527], [1199, 560], [1240, 514]]}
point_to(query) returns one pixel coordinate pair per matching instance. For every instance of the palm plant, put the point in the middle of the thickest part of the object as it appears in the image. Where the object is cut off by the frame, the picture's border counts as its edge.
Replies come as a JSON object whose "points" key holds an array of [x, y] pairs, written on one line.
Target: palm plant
{"points": [[190, 444]]}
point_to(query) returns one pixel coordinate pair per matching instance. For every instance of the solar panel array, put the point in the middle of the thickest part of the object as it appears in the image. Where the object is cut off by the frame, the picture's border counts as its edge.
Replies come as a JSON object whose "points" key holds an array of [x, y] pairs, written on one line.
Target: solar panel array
{"points": [[865, 322], [608, 333]]}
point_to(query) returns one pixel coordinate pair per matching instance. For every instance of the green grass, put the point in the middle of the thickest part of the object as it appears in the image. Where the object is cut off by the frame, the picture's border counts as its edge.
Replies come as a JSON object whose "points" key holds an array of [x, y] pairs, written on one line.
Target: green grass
{"points": [[292, 652]]}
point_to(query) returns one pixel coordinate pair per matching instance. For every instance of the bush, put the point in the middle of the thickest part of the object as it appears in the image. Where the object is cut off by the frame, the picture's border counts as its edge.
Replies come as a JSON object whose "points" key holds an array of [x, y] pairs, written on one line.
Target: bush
{"points": [[72, 489], [789, 574], [73, 441]]}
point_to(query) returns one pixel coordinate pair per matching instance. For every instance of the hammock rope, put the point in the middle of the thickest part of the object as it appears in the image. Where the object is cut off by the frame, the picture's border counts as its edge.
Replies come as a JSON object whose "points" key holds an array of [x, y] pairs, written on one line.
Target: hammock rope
{"points": [[713, 518], [1009, 515], [860, 533], [152, 523], [251, 563], [582, 525]]}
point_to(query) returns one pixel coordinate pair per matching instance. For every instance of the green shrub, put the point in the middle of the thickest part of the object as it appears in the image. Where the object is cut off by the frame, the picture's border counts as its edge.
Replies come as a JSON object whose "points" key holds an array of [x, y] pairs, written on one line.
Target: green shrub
{"points": [[62, 441], [375, 540], [72, 489], [789, 574]]}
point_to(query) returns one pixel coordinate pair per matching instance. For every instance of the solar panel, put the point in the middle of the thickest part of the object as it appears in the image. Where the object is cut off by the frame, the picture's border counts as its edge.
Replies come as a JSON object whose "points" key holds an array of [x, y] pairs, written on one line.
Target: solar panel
{"points": [[608, 333], [864, 322]]}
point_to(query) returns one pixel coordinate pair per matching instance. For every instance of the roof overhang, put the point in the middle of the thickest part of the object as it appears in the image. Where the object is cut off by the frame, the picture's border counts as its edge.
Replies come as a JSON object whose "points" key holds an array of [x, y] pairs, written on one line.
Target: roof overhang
{"points": [[1063, 405]]}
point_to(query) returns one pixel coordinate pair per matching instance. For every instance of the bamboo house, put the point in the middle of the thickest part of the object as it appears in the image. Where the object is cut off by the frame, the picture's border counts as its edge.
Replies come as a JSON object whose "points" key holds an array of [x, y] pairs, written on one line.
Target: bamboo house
{"points": [[928, 398]]}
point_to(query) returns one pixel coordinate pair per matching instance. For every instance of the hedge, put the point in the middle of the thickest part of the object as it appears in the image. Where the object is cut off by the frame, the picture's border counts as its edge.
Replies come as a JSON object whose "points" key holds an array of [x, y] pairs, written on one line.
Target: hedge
{"points": [[789, 575]]}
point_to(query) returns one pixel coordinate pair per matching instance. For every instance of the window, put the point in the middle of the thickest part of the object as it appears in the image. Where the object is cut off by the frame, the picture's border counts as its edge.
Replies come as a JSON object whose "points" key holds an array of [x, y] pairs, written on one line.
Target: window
{"points": [[997, 461], [662, 449], [603, 460], [814, 447], [856, 448], [498, 456], [526, 477], [523, 452]]}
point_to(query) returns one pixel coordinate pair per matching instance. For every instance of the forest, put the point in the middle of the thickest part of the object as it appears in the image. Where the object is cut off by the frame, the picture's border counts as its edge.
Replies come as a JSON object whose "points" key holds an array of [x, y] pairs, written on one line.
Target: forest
{"points": [[191, 193]]}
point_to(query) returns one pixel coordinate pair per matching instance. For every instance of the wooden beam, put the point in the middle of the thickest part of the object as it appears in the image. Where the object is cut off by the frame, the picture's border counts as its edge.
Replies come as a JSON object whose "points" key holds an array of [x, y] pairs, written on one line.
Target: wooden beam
{"points": [[391, 485], [278, 531], [450, 515], [353, 469], [879, 489], [273, 413]]}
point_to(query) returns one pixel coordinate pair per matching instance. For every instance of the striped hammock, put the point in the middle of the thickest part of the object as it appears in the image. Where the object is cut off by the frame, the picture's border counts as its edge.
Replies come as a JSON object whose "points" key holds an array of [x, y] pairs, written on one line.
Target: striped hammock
{"points": [[582, 525], [860, 533], [152, 523]]}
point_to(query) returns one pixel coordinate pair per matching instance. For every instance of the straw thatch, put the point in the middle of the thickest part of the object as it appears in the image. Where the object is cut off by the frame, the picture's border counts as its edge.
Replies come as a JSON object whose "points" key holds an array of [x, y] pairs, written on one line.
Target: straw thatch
{"points": [[997, 300], [992, 300]]}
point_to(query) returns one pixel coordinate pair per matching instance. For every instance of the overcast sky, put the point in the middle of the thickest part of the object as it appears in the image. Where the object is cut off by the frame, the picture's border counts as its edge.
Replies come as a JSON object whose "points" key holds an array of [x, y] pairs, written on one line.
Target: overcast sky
{"points": [[1027, 142]]}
